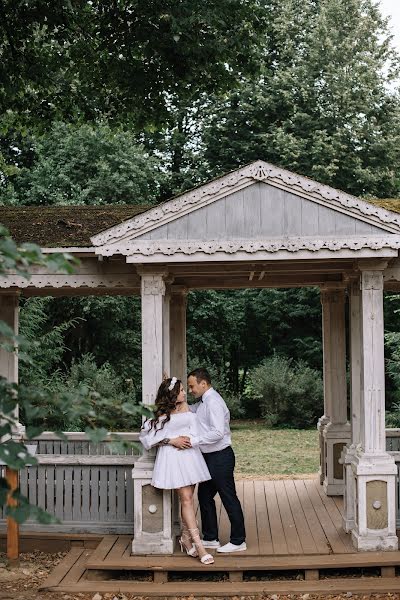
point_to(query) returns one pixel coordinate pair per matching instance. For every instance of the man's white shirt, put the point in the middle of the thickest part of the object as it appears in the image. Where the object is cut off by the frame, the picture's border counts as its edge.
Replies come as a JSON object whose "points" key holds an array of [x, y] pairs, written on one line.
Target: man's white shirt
{"points": [[213, 417]]}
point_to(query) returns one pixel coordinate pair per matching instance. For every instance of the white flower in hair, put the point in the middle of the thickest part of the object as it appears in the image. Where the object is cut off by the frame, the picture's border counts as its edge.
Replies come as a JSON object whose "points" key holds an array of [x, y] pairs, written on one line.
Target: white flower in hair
{"points": [[172, 384]]}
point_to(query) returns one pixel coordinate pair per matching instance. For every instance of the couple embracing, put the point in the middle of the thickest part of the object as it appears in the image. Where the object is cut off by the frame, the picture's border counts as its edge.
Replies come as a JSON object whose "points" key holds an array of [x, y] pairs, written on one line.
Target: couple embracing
{"points": [[194, 446]]}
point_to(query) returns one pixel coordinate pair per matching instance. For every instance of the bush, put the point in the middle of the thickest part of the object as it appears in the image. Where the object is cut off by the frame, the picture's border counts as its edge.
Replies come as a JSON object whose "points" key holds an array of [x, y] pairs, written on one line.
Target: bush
{"points": [[289, 394]]}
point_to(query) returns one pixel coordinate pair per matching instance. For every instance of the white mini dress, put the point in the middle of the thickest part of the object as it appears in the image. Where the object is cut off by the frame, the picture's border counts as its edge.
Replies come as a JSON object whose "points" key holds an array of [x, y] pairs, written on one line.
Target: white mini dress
{"points": [[175, 468]]}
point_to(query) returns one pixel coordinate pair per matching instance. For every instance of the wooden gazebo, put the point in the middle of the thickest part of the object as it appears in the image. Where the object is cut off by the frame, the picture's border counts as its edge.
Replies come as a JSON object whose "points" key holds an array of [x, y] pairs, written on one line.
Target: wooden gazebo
{"points": [[259, 226]]}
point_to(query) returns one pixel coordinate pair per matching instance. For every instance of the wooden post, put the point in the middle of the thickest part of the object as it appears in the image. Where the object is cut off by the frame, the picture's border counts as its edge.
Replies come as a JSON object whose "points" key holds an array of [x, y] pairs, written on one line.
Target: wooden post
{"points": [[355, 400], [336, 433], [374, 469], [324, 420], [153, 521], [12, 525], [178, 332], [9, 313]]}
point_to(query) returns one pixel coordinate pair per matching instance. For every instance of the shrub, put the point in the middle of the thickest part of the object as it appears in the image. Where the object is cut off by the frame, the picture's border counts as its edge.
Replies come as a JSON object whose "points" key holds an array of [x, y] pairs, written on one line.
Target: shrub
{"points": [[289, 394]]}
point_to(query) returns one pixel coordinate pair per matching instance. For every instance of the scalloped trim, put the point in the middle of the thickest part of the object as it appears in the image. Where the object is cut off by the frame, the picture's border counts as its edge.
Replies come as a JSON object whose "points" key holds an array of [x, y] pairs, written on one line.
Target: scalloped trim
{"points": [[257, 171], [168, 248]]}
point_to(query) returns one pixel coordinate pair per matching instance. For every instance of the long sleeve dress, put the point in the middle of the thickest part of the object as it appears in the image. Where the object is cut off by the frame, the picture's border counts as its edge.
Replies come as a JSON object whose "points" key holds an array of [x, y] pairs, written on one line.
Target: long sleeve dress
{"points": [[175, 468]]}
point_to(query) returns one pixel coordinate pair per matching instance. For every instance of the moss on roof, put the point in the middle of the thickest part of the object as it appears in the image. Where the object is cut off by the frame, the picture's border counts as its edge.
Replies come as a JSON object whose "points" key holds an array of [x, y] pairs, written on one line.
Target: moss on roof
{"points": [[73, 226], [63, 226], [392, 204]]}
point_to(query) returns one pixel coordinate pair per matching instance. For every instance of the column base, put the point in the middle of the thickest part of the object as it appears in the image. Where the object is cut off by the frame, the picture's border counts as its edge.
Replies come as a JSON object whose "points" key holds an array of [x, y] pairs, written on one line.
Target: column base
{"points": [[153, 512], [336, 437], [375, 501], [372, 543], [152, 544]]}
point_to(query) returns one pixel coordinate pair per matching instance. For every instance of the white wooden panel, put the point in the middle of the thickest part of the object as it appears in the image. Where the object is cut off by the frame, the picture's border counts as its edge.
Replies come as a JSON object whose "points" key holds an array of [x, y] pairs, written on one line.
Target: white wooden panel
{"points": [[326, 221], [363, 228], [234, 212], [177, 230], [252, 210], [344, 225], [309, 218], [272, 212], [215, 218], [292, 215], [160, 233]]}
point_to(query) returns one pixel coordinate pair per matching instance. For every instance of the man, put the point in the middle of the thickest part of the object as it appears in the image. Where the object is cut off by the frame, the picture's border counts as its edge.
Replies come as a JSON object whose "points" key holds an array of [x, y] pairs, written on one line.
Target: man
{"points": [[215, 444]]}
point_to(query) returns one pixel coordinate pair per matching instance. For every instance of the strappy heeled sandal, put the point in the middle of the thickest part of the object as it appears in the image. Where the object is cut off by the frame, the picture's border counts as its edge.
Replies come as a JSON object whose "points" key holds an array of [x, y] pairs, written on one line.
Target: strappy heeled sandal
{"points": [[185, 537], [206, 559]]}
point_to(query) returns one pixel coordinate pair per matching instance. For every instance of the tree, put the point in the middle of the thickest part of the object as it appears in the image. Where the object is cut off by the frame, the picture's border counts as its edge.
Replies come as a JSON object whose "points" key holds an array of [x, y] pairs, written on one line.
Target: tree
{"points": [[87, 164], [323, 106], [122, 60]]}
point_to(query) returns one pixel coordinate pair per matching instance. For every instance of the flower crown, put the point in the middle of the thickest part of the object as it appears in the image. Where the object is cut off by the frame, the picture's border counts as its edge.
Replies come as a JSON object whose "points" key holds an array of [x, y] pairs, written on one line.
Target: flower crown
{"points": [[172, 384]]}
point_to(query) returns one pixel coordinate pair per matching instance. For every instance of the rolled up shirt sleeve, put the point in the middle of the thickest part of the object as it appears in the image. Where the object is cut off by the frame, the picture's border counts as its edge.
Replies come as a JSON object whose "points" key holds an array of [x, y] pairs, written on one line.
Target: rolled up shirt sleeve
{"points": [[216, 425]]}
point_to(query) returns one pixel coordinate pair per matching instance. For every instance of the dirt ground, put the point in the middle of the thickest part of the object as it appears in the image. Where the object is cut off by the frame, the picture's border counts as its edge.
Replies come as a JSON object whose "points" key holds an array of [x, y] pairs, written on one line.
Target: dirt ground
{"points": [[22, 584]]}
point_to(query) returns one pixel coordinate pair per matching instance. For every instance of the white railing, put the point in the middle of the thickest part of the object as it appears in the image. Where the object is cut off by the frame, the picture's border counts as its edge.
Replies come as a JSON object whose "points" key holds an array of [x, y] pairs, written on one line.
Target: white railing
{"points": [[87, 486]]}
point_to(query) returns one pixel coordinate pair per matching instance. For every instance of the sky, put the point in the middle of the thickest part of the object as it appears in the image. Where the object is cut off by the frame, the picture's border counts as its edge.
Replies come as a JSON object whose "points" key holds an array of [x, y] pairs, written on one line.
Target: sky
{"points": [[391, 8]]}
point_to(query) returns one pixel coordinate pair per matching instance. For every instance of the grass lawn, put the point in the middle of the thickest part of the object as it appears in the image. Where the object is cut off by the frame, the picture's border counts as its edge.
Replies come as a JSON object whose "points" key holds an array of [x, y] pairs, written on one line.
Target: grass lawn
{"points": [[263, 451]]}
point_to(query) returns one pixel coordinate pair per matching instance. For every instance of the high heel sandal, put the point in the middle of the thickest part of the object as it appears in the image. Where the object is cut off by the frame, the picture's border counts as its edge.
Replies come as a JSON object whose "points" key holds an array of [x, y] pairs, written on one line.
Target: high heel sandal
{"points": [[207, 559], [185, 537]]}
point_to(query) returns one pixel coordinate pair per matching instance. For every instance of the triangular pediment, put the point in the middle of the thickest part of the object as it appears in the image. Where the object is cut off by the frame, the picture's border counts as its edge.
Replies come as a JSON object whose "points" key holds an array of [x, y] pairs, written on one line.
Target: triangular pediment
{"points": [[258, 202]]}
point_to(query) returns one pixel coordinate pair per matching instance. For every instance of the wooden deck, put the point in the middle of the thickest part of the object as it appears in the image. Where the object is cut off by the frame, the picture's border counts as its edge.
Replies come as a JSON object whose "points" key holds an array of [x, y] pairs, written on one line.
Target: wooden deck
{"points": [[295, 542]]}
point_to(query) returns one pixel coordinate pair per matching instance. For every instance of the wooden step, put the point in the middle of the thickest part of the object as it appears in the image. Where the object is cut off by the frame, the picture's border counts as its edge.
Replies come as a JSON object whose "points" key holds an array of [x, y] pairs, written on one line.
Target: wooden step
{"points": [[372, 585], [239, 562]]}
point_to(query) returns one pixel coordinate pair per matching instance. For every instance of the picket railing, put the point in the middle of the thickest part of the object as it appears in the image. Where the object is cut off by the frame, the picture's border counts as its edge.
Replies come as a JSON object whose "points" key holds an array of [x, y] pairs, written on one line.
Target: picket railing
{"points": [[87, 486]]}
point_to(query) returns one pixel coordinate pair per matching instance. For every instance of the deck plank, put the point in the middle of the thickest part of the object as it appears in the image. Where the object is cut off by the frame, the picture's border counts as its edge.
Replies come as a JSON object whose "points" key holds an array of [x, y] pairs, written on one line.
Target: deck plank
{"points": [[264, 531], [306, 539], [288, 523], [335, 515], [250, 518], [278, 535], [118, 550], [77, 570], [324, 518], [104, 547], [315, 527], [60, 570]]}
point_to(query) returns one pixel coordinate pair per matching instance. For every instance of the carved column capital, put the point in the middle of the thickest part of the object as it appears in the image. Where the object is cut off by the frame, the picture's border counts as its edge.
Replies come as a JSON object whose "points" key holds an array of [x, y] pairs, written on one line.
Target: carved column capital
{"points": [[153, 285], [372, 280]]}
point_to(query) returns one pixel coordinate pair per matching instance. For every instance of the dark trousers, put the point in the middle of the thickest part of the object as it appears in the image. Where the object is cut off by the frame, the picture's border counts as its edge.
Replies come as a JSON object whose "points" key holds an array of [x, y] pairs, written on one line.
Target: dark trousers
{"points": [[221, 465]]}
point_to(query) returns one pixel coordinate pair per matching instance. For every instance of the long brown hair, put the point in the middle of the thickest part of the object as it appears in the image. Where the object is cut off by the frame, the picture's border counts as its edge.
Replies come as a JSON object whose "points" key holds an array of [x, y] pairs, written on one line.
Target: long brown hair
{"points": [[165, 402]]}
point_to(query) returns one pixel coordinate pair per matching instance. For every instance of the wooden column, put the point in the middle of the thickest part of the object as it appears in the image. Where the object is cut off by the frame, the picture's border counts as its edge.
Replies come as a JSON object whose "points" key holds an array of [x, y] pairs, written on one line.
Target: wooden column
{"points": [[178, 332], [336, 433], [373, 468], [177, 336], [324, 420], [355, 405], [9, 313], [153, 530]]}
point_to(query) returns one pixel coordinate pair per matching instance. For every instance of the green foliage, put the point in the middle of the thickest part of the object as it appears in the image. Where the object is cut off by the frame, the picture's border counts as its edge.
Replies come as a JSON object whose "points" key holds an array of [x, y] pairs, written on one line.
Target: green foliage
{"points": [[323, 105], [290, 394], [86, 165], [122, 61]]}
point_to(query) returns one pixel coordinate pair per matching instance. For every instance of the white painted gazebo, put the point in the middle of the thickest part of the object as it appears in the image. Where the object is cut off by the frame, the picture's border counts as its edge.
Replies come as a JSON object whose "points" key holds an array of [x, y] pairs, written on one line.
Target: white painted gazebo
{"points": [[259, 226]]}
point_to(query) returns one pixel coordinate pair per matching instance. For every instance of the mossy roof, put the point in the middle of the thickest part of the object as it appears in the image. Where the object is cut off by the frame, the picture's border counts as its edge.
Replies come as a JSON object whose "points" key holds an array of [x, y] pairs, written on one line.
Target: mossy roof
{"points": [[73, 226], [63, 226]]}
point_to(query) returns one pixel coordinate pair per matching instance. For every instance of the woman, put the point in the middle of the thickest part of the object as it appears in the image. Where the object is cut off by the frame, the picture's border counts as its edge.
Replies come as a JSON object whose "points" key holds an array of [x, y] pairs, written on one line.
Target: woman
{"points": [[174, 468]]}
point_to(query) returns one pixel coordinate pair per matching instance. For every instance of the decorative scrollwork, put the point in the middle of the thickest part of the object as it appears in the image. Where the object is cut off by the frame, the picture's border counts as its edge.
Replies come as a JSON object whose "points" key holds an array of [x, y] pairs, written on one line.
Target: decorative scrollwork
{"points": [[257, 171]]}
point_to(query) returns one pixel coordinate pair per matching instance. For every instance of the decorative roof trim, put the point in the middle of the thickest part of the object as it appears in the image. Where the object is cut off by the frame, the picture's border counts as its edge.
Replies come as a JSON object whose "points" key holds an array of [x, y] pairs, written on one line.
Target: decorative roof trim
{"points": [[169, 248], [241, 178]]}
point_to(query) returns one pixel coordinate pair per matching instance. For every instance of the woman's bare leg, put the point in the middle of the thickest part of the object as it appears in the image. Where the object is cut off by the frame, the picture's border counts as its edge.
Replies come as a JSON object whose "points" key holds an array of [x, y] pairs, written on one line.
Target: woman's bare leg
{"points": [[189, 516]]}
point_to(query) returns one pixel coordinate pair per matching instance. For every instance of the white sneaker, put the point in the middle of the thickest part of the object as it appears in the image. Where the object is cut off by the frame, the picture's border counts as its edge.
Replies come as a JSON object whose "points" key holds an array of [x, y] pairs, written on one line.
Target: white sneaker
{"points": [[232, 547], [210, 543]]}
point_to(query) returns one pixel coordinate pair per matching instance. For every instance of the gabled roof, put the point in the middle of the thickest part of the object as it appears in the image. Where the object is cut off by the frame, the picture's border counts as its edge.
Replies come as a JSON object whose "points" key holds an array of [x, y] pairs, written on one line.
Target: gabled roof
{"points": [[227, 185]]}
